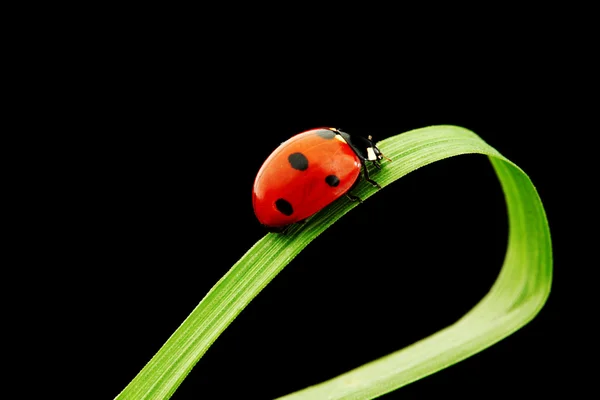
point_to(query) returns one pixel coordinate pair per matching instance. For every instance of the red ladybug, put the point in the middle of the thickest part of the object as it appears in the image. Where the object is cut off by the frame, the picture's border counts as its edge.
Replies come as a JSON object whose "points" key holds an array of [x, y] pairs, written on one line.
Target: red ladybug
{"points": [[308, 172]]}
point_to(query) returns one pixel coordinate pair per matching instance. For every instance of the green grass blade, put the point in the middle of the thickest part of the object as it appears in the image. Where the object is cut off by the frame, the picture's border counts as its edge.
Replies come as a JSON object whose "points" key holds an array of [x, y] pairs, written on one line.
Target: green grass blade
{"points": [[516, 297]]}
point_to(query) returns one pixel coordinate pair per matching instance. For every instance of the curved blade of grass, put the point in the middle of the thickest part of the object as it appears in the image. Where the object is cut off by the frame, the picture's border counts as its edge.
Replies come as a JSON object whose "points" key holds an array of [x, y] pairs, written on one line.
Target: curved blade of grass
{"points": [[516, 297]]}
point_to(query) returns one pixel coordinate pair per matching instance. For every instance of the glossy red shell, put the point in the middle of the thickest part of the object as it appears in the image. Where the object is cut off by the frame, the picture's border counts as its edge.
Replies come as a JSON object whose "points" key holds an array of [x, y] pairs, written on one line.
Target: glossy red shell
{"points": [[308, 190]]}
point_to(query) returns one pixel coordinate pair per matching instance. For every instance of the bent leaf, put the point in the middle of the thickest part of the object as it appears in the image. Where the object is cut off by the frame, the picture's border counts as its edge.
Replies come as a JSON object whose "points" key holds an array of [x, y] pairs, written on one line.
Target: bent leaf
{"points": [[518, 294]]}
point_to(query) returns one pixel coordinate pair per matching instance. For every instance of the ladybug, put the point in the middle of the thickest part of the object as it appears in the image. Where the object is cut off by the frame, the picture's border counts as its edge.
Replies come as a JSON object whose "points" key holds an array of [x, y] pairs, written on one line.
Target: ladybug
{"points": [[308, 172]]}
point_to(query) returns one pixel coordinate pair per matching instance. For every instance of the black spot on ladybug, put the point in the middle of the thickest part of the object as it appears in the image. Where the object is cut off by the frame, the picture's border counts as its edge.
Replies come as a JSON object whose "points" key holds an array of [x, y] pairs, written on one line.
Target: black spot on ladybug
{"points": [[284, 207], [326, 133], [332, 180], [298, 161]]}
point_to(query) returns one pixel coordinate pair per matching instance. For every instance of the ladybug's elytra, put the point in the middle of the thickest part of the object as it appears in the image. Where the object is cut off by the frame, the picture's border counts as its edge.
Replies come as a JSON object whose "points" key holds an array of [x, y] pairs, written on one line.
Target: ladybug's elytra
{"points": [[308, 172]]}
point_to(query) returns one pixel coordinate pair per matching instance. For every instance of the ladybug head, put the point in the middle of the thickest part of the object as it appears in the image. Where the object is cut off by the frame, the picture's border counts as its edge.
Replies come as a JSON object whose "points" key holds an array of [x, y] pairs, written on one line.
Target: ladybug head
{"points": [[373, 152], [364, 148]]}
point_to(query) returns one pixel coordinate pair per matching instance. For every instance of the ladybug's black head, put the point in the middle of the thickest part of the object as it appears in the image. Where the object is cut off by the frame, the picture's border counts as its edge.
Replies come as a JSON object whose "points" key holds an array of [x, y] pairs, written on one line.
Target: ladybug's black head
{"points": [[364, 148], [373, 153]]}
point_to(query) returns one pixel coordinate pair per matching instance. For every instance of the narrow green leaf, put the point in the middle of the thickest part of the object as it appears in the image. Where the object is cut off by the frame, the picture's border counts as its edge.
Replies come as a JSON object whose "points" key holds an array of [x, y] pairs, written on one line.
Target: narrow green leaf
{"points": [[518, 294]]}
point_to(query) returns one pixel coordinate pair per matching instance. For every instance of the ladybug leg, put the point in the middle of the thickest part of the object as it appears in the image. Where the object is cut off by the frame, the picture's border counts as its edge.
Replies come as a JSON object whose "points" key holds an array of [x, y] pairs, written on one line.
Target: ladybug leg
{"points": [[353, 198], [371, 181], [281, 229], [376, 164]]}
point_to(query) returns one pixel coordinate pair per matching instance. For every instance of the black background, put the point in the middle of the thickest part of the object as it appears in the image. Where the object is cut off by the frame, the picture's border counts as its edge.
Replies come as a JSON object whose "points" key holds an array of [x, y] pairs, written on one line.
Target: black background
{"points": [[149, 205]]}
